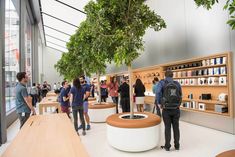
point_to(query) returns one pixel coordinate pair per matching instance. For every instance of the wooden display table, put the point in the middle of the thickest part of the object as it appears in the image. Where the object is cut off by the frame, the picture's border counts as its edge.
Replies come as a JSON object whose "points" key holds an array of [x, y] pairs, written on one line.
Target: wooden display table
{"points": [[49, 102], [46, 136], [230, 153], [51, 93]]}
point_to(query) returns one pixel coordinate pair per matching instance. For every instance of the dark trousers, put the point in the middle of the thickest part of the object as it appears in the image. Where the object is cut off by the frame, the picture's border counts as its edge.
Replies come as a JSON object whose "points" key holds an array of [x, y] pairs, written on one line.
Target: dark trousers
{"points": [[103, 98], [158, 110], [125, 103], [115, 100], [171, 117], [76, 110], [23, 117], [34, 99]]}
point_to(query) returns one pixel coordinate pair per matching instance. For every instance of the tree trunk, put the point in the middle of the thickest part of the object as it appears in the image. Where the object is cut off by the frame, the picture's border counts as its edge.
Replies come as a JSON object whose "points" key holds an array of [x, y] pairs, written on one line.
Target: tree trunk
{"points": [[98, 86], [131, 92]]}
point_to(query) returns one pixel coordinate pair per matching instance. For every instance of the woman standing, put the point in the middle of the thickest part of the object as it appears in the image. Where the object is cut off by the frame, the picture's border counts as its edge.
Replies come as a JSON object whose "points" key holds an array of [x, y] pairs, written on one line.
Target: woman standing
{"points": [[113, 91], [139, 90], [76, 101]]}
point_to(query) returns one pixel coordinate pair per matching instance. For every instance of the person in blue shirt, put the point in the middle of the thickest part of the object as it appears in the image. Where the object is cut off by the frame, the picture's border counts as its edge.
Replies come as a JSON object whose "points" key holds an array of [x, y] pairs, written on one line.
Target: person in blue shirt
{"points": [[170, 116], [64, 98], [154, 89], [87, 90], [77, 95], [23, 100]]}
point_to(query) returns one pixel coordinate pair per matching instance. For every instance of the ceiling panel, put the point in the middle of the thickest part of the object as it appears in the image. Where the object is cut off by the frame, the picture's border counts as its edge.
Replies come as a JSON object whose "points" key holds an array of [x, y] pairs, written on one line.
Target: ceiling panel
{"points": [[59, 25], [57, 34], [63, 12], [56, 47], [79, 4], [56, 41]]}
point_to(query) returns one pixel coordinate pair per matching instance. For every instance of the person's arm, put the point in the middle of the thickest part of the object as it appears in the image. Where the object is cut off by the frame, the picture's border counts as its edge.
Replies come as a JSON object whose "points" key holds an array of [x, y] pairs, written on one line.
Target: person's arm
{"points": [[87, 92], [71, 98], [159, 94], [28, 100]]}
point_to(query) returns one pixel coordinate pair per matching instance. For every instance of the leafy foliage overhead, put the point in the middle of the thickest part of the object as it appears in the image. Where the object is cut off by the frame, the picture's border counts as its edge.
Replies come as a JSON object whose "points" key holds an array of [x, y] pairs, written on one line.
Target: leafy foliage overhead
{"points": [[120, 26], [230, 6]]}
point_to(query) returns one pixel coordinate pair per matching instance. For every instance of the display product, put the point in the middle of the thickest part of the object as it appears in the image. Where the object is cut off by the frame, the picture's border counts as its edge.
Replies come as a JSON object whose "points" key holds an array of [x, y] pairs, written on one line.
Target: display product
{"points": [[202, 106], [222, 70], [213, 80], [206, 96], [223, 97], [220, 108], [222, 80]]}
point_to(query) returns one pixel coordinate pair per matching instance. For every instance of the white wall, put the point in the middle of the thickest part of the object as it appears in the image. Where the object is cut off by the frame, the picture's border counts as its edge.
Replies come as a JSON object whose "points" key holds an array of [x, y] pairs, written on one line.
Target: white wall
{"points": [[190, 32], [48, 73]]}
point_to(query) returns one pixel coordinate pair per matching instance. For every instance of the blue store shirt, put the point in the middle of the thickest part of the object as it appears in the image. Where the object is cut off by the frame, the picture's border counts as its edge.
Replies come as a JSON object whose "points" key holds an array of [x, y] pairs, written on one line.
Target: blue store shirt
{"points": [[78, 95], [86, 88], [64, 93], [21, 93]]}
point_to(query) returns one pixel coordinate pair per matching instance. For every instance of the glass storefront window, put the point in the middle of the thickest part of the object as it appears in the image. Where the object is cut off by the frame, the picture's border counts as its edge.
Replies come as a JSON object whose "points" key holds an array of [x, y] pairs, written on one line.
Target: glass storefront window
{"points": [[28, 49], [12, 22]]}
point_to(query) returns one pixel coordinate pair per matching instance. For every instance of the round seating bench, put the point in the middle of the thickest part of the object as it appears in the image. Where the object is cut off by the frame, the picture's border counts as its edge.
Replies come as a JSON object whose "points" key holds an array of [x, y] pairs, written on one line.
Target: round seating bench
{"points": [[133, 135], [99, 112]]}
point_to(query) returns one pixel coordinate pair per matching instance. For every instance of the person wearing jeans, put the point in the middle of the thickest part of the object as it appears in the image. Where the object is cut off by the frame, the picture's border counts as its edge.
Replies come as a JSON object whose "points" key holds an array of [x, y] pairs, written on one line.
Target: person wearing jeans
{"points": [[76, 100]]}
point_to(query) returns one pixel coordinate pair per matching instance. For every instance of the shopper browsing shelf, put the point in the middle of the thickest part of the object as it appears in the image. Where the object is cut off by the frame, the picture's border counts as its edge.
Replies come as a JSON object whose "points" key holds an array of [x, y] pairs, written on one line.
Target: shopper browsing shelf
{"points": [[77, 95], [125, 96], [169, 96], [23, 100], [113, 91], [139, 90]]}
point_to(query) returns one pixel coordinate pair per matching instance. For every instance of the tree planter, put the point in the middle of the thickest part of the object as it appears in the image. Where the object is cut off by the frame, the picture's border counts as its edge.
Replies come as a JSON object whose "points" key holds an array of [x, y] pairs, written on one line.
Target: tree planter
{"points": [[99, 112], [91, 99], [133, 135]]}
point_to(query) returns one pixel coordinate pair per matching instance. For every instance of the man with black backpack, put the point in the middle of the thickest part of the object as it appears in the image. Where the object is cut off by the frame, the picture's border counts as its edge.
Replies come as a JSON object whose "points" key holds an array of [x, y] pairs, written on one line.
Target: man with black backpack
{"points": [[169, 97]]}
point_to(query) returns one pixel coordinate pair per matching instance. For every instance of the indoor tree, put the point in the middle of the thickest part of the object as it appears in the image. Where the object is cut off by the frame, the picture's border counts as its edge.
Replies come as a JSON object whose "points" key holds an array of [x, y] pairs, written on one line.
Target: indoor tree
{"points": [[230, 6], [119, 27]]}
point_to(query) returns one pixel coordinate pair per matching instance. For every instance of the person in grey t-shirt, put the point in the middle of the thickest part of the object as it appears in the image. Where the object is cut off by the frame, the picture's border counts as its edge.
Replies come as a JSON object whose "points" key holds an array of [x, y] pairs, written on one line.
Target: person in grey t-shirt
{"points": [[23, 100]]}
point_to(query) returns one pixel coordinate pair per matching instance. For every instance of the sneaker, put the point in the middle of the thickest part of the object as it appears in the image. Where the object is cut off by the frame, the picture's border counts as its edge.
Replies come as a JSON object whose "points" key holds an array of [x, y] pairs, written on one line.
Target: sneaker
{"points": [[80, 127], [88, 127], [166, 149], [177, 148], [83, 132]]}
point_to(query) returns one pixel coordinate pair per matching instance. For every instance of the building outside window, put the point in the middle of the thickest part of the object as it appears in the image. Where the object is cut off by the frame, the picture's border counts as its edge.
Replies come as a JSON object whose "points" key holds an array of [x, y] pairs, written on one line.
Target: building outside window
{"points": [[12, 52]]}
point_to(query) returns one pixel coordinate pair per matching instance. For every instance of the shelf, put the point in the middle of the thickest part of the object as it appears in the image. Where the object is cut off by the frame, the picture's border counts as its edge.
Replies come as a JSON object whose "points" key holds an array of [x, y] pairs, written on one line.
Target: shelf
{"points": [[207, 101], [187, 77], [206, 111], [203, 85], [200, 67]]}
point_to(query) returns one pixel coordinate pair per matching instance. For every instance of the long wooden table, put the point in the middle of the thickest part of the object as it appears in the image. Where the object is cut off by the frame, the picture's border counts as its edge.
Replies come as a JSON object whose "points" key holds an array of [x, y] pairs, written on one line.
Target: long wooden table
{"points": [[51, 93], [47, 136], [49, 102]]}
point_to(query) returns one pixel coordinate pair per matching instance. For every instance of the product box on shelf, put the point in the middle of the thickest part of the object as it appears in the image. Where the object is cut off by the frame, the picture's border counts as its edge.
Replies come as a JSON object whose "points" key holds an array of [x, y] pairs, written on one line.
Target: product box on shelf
{"points": [[220, 108], [202, 81], [216, 71], [193, 105], [187, 81], [181, 81], [202, 106], [213, 61], [219, 60], [223, 71], [193, 81], [189, 73], [211, 71], [223, 80], [213, 80], [224, 60]]}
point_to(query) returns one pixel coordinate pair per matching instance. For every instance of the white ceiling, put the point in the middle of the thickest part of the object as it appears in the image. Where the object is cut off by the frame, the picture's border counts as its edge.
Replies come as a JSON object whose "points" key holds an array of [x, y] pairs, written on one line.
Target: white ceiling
{"points": [[60, 21]]}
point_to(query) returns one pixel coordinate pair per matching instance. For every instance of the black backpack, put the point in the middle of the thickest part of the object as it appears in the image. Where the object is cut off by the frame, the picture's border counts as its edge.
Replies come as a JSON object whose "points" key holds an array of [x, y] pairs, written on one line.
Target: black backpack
{"points": [[171, 98]]}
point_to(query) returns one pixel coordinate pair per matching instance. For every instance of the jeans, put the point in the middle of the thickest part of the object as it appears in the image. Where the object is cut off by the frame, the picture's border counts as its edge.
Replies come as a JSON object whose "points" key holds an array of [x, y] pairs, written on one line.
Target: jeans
{"points": [[171, 117], [125, 103], [23, 117], [76, 110], [115, 100], [34, 99]]}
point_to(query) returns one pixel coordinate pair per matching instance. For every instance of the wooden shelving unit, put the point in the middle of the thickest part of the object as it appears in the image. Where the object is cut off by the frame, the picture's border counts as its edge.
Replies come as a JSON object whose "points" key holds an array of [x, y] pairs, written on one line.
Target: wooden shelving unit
{"points": [[214, 90]]}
